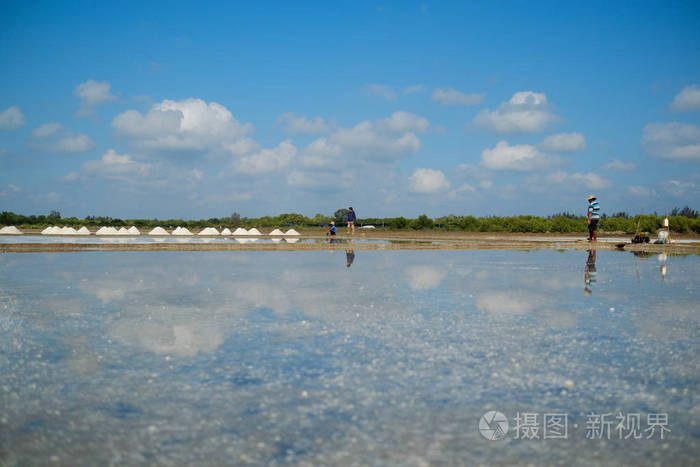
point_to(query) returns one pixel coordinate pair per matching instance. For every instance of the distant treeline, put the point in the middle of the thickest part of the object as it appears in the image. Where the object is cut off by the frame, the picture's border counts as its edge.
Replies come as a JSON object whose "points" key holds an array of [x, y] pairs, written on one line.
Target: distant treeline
{"points": [[683, 220]]}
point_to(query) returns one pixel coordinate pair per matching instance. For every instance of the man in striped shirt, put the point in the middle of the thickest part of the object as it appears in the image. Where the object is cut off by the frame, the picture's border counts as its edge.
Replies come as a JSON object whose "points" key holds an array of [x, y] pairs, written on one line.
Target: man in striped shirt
{"points": [[593, 218]]}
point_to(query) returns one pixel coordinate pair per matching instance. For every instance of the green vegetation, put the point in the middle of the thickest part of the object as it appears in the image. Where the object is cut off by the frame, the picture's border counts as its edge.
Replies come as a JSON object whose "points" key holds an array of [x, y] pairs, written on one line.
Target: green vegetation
{"points": [[683, 220]]}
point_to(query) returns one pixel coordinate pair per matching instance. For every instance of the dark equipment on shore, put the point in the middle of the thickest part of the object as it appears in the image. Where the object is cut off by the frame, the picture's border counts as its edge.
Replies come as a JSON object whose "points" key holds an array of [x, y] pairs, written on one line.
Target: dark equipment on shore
{"points": [[642, 237]]}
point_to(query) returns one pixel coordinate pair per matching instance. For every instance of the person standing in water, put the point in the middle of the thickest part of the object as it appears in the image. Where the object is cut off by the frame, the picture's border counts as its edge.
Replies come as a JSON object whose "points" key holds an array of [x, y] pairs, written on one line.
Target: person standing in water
{"points": [[593, 218], [351, 220]]}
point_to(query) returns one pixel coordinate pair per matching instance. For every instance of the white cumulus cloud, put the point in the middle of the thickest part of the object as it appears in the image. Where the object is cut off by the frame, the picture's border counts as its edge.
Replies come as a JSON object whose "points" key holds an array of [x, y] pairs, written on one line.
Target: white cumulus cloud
{"points": [[413, 89], [677, 187], [673, 140], [71, 144], [382, 90], [619, 166], [450, 96], [380, 140], [525, 112], [91, 94], [11, 118], [567, 181], [187, 125], [564, 142], [590, 180], [302, 125], [639, 191], [46, 130], [427, 181], [268, 160], [322, 181], [242, 146], [118, 166], [687, 100], [522, 157]]}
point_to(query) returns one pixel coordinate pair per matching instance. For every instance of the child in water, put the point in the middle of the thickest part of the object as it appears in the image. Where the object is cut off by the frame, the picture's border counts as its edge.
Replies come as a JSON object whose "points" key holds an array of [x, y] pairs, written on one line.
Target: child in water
{"points": [[332, 230]]}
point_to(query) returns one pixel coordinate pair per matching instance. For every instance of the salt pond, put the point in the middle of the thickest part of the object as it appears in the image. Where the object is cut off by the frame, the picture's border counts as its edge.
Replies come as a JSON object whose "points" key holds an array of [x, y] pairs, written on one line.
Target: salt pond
{"points": [[345, 357]]}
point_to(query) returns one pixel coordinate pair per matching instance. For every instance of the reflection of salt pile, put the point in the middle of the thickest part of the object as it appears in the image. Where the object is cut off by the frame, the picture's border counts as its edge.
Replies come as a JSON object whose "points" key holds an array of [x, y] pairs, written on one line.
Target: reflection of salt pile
{"points": [[83, 231], [209, 231], [240, 231], [246, 240], [226, 231], [158, 231], [276, 232], [292, 232], [291, 240], [181, 231], [107, 231], [10, 230], [254, 231], [133, 230]]}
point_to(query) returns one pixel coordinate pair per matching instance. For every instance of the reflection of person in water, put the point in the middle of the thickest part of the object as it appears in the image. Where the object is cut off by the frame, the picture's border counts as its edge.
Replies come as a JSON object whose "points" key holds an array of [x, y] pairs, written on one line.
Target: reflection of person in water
{"points": [[590, 274], [349, 257]]}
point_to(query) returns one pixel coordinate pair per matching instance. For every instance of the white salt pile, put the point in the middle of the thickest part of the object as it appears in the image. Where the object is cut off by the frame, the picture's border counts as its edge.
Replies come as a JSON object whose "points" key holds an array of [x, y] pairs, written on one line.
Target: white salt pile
{"points": [[122, 231], [10, 230], [133, 230], [107, 231], [209, 231], [181, 231], [226, 231], [158, 231], [49, 231], [240, 231], [276, 232], [67, 231], [292, 232], [83, 231], [254, 231]]}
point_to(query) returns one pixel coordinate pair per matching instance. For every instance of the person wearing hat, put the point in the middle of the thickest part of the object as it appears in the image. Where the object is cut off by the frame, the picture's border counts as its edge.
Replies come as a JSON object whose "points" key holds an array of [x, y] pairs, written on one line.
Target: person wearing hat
{"points": [[331, 229], [593, 218]]}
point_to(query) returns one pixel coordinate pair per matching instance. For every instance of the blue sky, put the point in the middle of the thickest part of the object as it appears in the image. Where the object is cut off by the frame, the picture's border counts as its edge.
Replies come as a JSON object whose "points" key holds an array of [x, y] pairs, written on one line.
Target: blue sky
{"points": [[396, 108]]}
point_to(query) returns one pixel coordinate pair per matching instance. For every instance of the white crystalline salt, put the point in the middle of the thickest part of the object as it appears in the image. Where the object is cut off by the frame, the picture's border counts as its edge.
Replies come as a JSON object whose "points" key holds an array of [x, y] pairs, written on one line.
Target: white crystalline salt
{"points": [[133, 230], [83, 231], [226, 231], [107, 231], [182, 231], [67, 231], [209, 231], [276, 232], [254, 231], [158, 231], [240, 231], [10, 230], [53, 230], [122, 231], [292, 232]]}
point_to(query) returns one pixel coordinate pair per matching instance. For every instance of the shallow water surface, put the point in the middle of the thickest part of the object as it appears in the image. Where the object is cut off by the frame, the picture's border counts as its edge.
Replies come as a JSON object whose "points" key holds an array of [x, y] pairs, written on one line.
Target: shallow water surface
{"points": [[348, 357]]}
